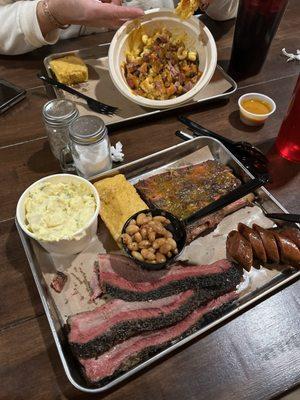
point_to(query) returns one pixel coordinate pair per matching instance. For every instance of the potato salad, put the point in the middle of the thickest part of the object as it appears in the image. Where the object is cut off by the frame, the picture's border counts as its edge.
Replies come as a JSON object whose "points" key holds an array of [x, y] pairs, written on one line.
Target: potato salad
{"points": [[55, 211], [161, 67]]}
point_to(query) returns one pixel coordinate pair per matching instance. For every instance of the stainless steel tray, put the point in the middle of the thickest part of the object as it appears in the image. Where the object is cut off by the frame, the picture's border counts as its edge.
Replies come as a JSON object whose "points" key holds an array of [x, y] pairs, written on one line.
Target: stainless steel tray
{"points": [[132, 171], [101, 87]]}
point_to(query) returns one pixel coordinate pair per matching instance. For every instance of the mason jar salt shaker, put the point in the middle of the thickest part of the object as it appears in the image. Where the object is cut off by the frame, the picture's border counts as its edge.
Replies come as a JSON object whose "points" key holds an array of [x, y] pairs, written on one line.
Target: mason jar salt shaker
{"points": [[58, 114], [89, 146]]}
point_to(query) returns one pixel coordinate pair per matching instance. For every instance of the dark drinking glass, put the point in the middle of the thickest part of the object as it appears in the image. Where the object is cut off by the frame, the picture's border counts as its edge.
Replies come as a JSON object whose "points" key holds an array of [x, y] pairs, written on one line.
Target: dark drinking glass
{"points": [[288, 139], [256, 24]]}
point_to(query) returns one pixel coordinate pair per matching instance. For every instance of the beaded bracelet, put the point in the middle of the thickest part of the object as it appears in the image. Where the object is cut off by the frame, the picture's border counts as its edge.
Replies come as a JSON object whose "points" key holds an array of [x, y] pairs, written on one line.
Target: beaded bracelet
{"points": [[51, 17]]}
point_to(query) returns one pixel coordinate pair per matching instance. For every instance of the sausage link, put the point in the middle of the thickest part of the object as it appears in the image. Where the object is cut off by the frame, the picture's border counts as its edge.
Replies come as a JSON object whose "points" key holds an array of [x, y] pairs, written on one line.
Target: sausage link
{"points": [[239, 250], [269, 243], [289, 252], [255, 240]]}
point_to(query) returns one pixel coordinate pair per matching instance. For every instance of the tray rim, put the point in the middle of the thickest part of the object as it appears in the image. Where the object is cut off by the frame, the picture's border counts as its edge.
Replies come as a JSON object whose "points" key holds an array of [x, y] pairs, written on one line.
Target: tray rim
{"points": [[28, 251], [153, 112]]}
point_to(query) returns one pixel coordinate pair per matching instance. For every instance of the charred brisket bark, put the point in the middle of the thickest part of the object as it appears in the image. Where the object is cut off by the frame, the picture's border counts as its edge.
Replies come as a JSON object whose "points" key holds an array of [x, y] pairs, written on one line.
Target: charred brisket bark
{"points": [[100, 370], [122, 278], [92, 333]]}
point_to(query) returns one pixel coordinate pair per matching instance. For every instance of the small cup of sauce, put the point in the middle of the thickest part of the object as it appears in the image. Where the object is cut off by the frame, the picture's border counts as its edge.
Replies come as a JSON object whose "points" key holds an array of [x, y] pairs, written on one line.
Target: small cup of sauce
{"points": [[255, 108]]}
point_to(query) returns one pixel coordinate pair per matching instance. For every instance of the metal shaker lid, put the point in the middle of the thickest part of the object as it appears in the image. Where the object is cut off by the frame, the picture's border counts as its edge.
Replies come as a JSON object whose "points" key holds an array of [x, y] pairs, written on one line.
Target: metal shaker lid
{"points": [[87, 129], [59, 112]]}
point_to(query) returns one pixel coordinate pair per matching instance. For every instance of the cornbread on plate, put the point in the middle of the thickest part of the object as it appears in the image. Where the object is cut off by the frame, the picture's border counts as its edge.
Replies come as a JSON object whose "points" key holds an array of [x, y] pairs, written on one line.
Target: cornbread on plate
{"points": [[119, 201], [69, 69]]}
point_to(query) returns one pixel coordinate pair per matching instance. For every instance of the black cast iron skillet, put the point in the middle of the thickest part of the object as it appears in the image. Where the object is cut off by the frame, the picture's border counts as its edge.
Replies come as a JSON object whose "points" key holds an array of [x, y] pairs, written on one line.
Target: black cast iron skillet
{"points": [[178, 227]]}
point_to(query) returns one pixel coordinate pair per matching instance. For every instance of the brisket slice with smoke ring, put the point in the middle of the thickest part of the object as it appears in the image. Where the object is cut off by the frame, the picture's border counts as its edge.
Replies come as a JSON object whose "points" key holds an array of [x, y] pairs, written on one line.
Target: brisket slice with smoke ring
{"points": [[92, 333], [125, 355], [122, 278]]}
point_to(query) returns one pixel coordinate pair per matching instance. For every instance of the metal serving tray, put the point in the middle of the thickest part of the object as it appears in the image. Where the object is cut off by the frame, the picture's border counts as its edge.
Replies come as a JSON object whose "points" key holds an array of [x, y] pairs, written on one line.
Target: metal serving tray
{"points": [[132, 171], [101, 87]]}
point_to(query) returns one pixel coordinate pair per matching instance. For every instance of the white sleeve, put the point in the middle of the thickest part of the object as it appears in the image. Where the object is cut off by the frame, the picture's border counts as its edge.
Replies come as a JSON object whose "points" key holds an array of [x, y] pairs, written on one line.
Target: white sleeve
{"points": [[222, 10], [148, 4], [19, 28]]}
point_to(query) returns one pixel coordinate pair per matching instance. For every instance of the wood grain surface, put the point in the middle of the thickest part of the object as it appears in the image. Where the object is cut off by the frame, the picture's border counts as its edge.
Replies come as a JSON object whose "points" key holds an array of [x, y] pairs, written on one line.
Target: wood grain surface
{"points": [[255, 355]]}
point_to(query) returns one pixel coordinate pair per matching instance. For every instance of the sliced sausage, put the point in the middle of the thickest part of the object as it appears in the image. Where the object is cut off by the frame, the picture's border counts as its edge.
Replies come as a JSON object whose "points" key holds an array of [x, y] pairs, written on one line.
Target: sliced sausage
{"points": [[293, 234], [269, 243], [289, 252], [255, 240], [239, 250]]}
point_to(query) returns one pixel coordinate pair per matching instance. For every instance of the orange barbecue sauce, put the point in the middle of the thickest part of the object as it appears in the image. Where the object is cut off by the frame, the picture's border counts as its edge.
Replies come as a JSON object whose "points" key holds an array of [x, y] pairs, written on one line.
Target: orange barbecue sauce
{"points": [[256, 106]]}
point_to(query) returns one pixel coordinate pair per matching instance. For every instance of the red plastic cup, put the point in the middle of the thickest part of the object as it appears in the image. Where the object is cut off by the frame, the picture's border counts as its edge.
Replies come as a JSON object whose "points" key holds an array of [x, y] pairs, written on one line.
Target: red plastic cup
{"points": [[288, 139]]}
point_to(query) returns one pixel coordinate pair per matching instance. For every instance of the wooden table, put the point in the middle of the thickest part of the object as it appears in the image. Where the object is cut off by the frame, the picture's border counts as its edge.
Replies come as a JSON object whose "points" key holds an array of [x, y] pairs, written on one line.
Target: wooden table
{"points": [[254, 356]]}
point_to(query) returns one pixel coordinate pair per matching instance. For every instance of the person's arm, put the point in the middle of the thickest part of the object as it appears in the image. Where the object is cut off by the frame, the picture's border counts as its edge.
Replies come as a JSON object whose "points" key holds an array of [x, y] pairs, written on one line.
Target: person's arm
{"points": [[26, 25], [19, 28]]}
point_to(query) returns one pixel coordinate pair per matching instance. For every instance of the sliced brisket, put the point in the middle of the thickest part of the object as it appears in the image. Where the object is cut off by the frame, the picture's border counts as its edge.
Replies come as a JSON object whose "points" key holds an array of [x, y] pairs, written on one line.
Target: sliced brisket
{"points": [[94, 332], [94, 283], [138, 348], [122, 278]]}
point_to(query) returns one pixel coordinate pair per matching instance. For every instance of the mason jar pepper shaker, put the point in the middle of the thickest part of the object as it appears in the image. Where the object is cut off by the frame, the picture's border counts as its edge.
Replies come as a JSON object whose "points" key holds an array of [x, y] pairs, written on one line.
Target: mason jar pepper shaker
{"points": [[57, 115]]}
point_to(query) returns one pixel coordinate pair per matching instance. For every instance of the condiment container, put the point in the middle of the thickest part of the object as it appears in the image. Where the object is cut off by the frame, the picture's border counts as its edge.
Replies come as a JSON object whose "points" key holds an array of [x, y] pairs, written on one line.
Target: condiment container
{"points": [[58, 114], [89, 147], [255, 114]]}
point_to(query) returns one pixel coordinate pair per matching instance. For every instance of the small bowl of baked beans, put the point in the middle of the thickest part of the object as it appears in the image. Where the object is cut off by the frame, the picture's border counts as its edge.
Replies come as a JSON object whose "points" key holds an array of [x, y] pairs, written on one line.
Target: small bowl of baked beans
{"points": [[153, 238]]}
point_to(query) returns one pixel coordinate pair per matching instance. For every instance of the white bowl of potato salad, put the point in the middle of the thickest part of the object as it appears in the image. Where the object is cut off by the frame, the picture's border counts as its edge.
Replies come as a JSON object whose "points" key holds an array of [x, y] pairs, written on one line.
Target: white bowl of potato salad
{"points": [[162, 60], [60, 212]]}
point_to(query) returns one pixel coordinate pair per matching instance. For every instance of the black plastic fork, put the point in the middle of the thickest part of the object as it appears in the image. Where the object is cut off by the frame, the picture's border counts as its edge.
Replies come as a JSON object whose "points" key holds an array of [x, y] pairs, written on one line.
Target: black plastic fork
{"points": [[93, 104]]}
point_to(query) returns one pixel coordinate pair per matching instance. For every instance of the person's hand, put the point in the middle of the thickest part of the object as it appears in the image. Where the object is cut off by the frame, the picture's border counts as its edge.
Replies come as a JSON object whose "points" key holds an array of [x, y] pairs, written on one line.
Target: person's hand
{"points": [[94, 13], [109, 14]]}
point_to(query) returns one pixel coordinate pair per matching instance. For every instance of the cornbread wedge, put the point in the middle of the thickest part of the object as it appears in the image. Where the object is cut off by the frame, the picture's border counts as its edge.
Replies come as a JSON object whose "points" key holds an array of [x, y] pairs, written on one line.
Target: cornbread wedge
{"points": [[69, 69], [118, 201]]}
